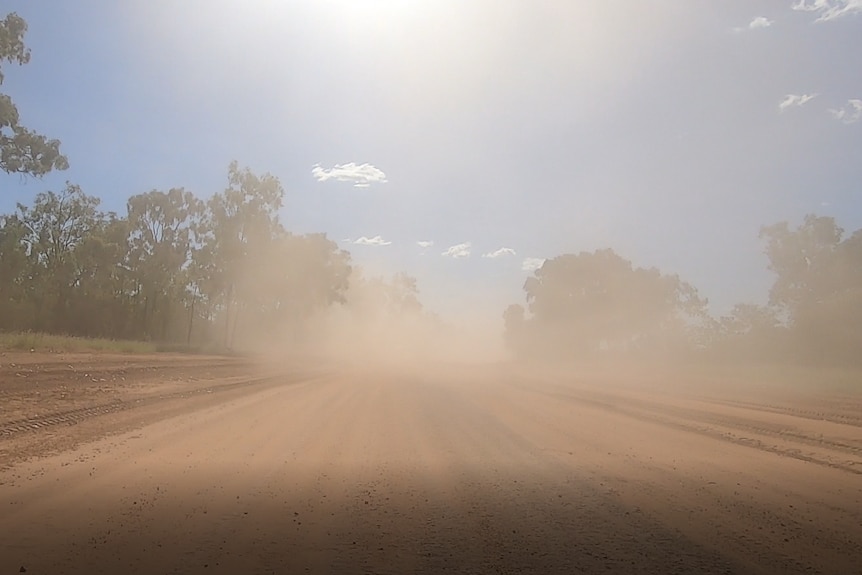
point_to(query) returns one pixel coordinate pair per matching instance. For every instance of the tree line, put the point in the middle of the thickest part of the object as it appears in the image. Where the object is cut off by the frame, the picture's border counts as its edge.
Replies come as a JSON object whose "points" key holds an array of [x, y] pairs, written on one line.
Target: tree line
{"points": [[173, 268], [598, 304]]}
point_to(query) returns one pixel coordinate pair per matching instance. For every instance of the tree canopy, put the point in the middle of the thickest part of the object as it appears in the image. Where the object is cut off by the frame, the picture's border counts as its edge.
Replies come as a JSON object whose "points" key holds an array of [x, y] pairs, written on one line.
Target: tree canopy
{"points": [[22, 151], [590, 302], [174, 268], [598, 303], [818, 286]]}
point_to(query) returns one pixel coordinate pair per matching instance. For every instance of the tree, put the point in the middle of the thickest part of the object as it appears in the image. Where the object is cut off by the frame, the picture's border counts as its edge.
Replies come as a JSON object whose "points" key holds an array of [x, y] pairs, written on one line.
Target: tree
{"points": [[173, 269], [14, 273], [161, 229], [803, 260], [297, 277], [749, 332], [818, 286], [753, 320], [238, 223], [22, 151], [54, 227], [100, 303], [593, 302]]}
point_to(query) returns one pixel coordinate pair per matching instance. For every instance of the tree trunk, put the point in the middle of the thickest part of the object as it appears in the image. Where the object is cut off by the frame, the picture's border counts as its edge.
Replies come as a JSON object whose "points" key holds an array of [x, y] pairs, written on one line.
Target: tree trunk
{"points": [[191, 319]]}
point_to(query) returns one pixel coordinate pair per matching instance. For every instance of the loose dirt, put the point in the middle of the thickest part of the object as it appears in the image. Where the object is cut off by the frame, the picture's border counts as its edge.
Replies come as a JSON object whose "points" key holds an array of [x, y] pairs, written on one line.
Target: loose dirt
{"points": [[218, 466]]}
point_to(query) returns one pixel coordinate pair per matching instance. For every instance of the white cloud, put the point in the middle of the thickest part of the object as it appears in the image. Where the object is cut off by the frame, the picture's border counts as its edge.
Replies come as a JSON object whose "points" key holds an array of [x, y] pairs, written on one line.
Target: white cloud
{"points": [[757, 22], [362, 175], [532, 264], [797, 100], [458, 251], [500, 253], [829, 9], [425, 244], [760, 22], [849, 114], [375, 241]]}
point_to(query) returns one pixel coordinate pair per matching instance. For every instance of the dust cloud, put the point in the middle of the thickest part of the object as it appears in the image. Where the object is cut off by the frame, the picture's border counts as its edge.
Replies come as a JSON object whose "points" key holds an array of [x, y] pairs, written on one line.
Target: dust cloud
{"points": [[582, 315]]}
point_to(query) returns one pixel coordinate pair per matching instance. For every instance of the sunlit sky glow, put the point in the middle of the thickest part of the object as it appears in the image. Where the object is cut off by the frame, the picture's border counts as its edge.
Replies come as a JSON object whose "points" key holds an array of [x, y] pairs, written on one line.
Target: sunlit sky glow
{"points": [[463, 142]]}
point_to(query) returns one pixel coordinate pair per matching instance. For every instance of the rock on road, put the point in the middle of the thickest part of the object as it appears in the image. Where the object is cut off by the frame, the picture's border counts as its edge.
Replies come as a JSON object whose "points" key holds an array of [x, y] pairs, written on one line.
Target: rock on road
{"points": [[397, 472]]}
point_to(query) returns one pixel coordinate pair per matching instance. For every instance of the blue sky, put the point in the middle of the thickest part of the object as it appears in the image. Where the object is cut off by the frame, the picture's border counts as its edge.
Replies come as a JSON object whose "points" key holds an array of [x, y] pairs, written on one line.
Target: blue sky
{"points": [[669, 131]]}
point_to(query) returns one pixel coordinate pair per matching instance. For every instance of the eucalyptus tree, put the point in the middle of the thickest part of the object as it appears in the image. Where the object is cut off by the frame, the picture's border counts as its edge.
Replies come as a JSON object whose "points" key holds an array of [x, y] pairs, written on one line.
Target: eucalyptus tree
{"points": [[54, 226], [14, 274], [161, 236], [22, 151], [100, 303], [238, 224]]}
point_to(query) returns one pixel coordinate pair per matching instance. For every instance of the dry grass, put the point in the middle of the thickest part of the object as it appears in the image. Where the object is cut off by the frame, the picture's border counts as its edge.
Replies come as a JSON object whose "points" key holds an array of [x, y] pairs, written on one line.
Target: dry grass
{"points": [[29, 341]]}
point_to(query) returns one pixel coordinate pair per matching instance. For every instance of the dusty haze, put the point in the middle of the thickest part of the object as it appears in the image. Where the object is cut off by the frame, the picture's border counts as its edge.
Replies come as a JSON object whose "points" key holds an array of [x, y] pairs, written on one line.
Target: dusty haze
{"points": [[431, 287]]}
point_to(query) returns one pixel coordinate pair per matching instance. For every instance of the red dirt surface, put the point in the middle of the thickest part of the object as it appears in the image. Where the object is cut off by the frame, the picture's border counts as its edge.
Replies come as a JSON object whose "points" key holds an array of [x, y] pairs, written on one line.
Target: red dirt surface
{"points": [[220, 466]]}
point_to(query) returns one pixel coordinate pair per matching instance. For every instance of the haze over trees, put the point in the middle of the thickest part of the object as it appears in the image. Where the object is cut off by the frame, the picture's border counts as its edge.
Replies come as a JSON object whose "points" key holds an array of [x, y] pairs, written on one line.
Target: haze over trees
{"points": [[173, 268], [180, 269], [581, 305], [599, 305], [222, 273]]}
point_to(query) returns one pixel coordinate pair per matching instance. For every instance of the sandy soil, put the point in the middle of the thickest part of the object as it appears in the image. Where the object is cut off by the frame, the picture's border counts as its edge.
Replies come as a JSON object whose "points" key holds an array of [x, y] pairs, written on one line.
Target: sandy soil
{"points": [[225, 468]]}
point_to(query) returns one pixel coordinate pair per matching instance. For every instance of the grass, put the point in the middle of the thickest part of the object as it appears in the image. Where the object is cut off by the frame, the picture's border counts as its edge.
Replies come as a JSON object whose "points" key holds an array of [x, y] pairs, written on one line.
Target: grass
{"points": [[30, 341]]}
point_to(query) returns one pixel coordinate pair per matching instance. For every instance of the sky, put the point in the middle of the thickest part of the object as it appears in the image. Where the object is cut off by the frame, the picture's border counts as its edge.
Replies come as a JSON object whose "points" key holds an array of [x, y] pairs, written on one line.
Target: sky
{"points": [[465, 141]]}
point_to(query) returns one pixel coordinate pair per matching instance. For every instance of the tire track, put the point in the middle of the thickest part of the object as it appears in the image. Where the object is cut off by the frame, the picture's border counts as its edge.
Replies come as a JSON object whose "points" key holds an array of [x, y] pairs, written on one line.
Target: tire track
{"points": [[816, 415], [709, 424], [78, 415]]}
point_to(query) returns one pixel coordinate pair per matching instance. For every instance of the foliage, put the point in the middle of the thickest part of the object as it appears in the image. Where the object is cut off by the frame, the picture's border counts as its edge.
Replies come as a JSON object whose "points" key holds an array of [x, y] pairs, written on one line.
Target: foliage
{"points": [[818, 286], [599, 304], [174, 269], [22, 151], [588, 303]]}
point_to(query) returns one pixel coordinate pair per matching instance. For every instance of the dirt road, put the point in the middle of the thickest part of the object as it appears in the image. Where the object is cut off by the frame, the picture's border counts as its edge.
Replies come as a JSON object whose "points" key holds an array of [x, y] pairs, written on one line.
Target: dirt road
{"points": [[457, 470]]}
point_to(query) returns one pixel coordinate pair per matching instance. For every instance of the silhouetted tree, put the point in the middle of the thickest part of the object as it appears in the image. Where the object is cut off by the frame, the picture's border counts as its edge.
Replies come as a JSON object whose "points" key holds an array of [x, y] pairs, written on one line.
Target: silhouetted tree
{"points": [[597, 302], [818, 286]]}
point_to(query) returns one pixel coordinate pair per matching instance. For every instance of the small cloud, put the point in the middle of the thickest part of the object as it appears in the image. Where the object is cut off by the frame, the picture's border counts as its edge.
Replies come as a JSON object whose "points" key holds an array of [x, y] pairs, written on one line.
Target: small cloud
{"points": [[797, 100], [760, 22], [849, 114], [756, 23], [375, 241], [829, 9], [500, 253], [532, 264], [362, 175], [458, 251], [425, 244]]}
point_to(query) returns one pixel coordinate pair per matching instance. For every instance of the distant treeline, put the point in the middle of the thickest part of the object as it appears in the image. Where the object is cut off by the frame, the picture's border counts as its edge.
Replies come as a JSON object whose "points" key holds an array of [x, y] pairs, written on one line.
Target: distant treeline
{"points": [[177, 269], [599, 305], [174, 268]]}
